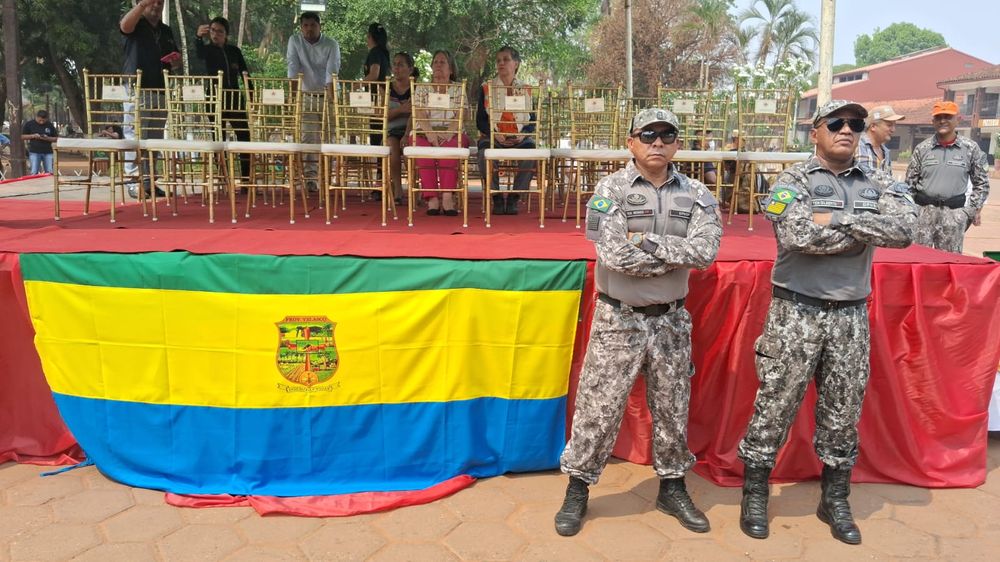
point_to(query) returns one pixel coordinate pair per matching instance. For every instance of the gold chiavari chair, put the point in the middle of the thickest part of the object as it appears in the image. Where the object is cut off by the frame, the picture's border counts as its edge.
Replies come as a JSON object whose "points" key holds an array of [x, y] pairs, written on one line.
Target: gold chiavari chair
{"points": [[515, 113], [438, 145], [111, 102], [274, 109], [354, 161], [193, 150], [698, 156], [236, 127], [596, 143]]}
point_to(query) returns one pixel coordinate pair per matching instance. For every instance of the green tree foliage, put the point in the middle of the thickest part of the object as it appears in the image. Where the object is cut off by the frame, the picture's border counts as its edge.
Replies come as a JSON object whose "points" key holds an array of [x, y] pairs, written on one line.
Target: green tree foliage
{"points": [[896, 40]]}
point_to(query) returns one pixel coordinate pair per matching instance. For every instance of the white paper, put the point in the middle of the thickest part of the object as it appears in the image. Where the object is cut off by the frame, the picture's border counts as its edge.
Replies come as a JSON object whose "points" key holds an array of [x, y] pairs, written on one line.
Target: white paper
{"points": [[593, 105], [192, 93], [272, 96], [439, 101], [515, 103], [765, 106], [685, 106], [114, 93], [360, 99]]}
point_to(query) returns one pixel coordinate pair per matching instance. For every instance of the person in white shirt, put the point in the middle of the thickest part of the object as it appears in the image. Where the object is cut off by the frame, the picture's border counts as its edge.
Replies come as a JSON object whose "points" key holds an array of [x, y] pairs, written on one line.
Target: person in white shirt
{"points": [[317, 58]]}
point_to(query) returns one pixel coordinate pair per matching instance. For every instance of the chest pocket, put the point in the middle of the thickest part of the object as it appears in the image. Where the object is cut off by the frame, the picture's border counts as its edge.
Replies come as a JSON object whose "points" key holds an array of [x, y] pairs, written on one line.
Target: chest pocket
{"points": [[679, 209], [826, 198]]}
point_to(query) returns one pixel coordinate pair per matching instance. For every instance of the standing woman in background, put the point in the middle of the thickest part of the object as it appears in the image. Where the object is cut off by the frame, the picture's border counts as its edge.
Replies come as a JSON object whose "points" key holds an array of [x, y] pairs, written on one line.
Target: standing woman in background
{"points": [[377, 63], [403, 68]]}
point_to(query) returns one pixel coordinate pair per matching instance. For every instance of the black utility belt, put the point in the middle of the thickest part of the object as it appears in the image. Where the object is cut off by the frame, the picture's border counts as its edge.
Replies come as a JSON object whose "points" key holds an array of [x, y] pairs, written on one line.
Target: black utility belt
{"points": [[784, 294], [648, 310], [956, 202]]}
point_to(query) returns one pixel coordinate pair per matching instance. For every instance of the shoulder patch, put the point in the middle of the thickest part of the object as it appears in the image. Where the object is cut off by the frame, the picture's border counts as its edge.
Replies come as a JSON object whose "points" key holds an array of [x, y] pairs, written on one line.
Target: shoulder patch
{"points": [[600, 204], [781, 197], [706, 199]]}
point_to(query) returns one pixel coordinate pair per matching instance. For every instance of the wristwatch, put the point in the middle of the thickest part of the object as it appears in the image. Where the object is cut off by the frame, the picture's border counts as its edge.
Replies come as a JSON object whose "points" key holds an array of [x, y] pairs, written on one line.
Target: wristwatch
{"points": [[636, 239]]}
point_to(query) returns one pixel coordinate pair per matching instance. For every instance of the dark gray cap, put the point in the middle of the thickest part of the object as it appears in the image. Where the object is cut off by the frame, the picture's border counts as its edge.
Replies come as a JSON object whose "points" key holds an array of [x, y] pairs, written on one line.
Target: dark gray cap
{"points": [[833, 105], [651, 115]]}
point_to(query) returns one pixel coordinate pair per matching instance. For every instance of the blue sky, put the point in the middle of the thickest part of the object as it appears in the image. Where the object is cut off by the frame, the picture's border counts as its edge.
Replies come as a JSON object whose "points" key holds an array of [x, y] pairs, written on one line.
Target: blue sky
{"points": [[973, 28]]}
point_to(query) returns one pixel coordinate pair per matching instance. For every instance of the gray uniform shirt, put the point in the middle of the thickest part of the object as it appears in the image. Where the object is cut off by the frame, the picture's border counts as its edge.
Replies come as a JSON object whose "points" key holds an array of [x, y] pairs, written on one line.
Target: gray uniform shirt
{"points": [[942, 172], [681, 227], [834, 262]]}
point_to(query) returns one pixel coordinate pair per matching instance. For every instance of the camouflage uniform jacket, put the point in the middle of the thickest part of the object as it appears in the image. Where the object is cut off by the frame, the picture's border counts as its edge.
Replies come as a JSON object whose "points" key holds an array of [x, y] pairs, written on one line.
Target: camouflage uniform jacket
{"points": [[941, 172], [681, 230], [833, 262]]}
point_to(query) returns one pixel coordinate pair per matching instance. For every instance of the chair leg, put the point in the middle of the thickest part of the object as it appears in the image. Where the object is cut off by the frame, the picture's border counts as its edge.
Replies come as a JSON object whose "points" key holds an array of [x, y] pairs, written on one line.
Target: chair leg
{"points": [[541, 194], [411, 191], [488, 191], [55, 181], [324, 183], [465, 193]]}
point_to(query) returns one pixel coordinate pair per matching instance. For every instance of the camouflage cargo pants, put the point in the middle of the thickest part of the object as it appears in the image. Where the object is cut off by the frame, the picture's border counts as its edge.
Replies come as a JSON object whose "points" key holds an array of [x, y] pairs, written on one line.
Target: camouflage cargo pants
{"points": [[798, 343], [622, 344], [941, 228]]}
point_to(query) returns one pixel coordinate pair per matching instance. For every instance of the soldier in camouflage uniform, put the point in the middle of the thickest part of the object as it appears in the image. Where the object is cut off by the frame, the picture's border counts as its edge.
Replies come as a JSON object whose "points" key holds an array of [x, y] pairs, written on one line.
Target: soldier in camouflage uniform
{"points": [[650, 225], [939, 171], [828, 217]]}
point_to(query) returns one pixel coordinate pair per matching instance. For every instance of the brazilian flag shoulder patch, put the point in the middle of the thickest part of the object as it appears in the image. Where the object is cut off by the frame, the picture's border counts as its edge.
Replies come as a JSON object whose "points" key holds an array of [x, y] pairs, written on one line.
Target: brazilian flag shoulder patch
{"points": [[781, 197], [600, 204]]}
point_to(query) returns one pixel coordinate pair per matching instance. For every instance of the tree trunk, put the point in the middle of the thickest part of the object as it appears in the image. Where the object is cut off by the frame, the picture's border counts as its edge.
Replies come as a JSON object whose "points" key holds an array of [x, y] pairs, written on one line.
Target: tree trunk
{"points": [[13, 78], [183, 33], [243, 23], [225, 9], [71, 91]]}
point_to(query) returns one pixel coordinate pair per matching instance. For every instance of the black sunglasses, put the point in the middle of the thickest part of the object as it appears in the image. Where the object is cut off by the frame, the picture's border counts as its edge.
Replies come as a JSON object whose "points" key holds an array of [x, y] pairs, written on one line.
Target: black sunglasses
{"points": [[649, 137], [836, 124]]}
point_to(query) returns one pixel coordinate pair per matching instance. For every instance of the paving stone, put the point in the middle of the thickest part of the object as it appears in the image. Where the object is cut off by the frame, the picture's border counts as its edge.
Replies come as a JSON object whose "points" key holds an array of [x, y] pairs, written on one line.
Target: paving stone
{"points": [[342, 539], [563, 549], [937, 521], [118, 552], [618, 539], [538, 519], [783, 542], [58, 541], [536, 487], [980, 507], [142, 523], [616, 474], [200, 542], [477, 503], [613, 502], [829, 548], [216, 515], [484, 540], [670, 527], [11, 472], [16, 520], [866, 504], [699, 551], [984, 548], [420, 552], [93, 479], [277, 528], [265, 553], [91, 506], [144, 496], [40, 490], [895, 539], [900, 494], [417, 523]]}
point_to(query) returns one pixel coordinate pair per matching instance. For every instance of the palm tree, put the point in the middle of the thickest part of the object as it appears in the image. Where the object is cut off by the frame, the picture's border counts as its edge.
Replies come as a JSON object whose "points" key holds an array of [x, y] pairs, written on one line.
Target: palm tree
{"points": [[781, 29], [744, 38]]}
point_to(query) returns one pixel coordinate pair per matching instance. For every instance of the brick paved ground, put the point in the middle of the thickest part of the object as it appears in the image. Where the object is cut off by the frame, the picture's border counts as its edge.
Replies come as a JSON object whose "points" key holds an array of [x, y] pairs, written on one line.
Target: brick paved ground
{"points": [[81, 515]]}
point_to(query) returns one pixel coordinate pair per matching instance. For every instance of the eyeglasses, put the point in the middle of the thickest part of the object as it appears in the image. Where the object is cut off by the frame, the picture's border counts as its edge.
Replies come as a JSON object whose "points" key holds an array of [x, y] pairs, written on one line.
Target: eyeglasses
{"points": [[668, 136], [836, 124]]}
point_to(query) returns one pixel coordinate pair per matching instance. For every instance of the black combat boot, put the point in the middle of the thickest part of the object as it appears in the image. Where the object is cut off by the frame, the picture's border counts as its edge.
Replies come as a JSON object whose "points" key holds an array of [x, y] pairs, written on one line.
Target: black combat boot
{"points": [[574, 507], [833, 507], [512, 204], [753, 508], [674, 500], [499, 208]]}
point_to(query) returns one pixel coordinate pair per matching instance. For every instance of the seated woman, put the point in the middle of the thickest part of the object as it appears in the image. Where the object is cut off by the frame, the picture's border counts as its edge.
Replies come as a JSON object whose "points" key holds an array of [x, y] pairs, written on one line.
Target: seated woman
{"points": [[432, 130], [399, 117], [510, 131]]}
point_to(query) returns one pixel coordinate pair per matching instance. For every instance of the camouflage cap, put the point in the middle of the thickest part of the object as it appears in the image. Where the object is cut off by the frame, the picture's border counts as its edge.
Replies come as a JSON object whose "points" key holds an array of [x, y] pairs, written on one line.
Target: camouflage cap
{"points": [[834, 105], [651, 115]]}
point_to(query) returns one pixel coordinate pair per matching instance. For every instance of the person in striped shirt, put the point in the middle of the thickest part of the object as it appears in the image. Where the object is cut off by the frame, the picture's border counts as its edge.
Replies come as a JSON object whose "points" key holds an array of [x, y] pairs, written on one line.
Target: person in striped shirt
{"points": [[873, 153]]}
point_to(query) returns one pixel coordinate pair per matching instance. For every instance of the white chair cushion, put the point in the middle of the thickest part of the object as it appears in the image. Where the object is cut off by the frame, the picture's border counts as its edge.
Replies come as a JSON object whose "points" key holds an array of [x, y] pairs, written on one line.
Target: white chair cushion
{"points": [[435, 152], [773, 156], [182, 145], [97, 144], [264, 147], [705, 155], [517, 153], [600, 154], [354, 150]]}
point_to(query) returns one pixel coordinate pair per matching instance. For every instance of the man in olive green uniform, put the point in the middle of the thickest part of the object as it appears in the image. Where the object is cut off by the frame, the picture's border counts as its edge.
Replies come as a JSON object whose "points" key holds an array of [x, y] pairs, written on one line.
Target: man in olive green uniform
{"points": [[828, 218], [651, 225]]}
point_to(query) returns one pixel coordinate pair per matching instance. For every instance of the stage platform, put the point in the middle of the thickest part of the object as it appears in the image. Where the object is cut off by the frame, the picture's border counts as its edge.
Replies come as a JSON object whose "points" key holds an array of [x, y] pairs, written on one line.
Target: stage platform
{"points": [[933, 324]]}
